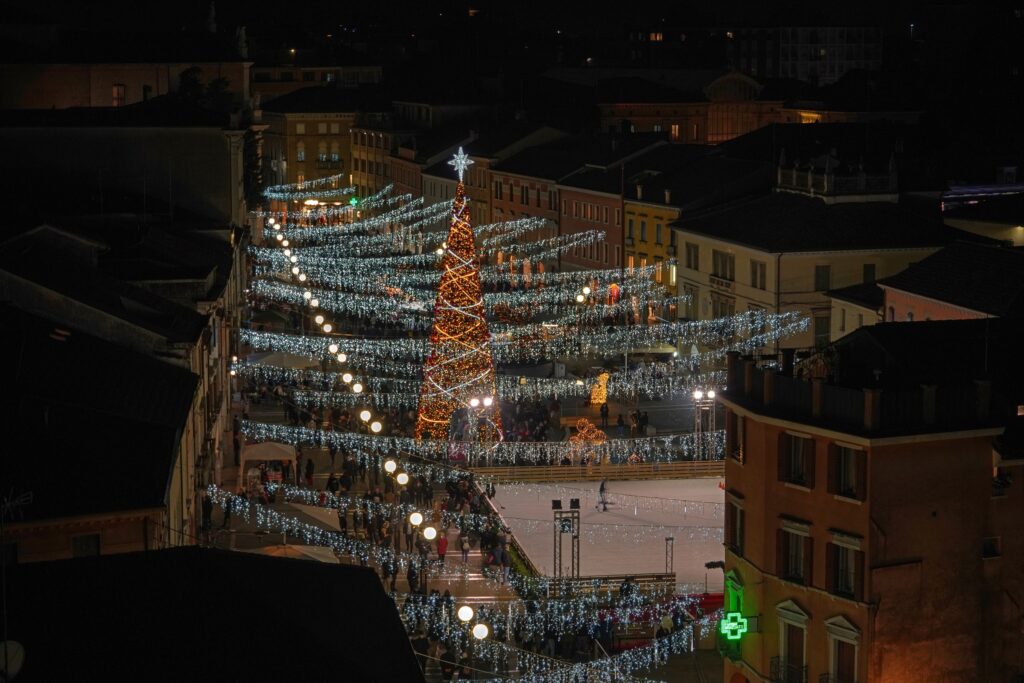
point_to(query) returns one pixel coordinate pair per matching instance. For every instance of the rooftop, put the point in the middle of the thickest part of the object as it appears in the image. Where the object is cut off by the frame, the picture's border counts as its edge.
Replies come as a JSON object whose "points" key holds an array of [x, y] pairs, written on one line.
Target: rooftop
{"points": [[82, 404], [166, 111], [865, 295], [979, 277], [155, 616], [330, 99], [559, 159], [113, 46], [1007, 209], [782, 222]]}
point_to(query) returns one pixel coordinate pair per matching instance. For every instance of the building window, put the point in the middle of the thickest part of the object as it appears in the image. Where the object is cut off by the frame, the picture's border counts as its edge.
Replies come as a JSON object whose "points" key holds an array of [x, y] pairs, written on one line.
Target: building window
{"points": [[629, 262], [618, 255], [822, 329], [674, 132], [734, 528], [335, 128], [604, 215], [629, 228], [524, 195], [618, 217], [844, 661], [692, 296], [847, 472], [692, 256], [657, 233], [300, 129], [991, 547], [794, 556], [910, 316], [321, 128], [672, 237], [300, 152], [497, 189], [117, 95], [672, 275], [722, 306], [657, 270], [822, 278], [796, 460], [736, 437], [552, 202], [723, 265], [843, 570], [575, 209], [86, 545], [308, 76], [643, 231], [758, 270], [656, 128], [869, 273]]}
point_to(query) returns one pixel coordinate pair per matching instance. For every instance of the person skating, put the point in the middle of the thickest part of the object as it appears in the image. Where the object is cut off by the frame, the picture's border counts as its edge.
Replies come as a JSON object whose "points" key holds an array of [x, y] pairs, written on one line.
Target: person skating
{"points": [[602, 503]]}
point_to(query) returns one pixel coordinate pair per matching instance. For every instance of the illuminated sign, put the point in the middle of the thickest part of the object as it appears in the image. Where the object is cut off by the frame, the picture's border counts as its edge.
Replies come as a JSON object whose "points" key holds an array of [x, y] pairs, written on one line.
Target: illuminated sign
{"points": [[733, 626]]}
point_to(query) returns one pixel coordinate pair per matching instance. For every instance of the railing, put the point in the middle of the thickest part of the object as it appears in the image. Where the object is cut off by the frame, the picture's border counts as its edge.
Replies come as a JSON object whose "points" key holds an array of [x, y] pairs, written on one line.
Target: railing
{"points": [[512, 537], [783, 672], [655, 470], [609, 585]]}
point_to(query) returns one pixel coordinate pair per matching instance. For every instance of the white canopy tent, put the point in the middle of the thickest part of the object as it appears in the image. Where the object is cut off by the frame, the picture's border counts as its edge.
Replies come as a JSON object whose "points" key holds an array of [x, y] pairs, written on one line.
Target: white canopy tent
{"points": [[255, 453]]}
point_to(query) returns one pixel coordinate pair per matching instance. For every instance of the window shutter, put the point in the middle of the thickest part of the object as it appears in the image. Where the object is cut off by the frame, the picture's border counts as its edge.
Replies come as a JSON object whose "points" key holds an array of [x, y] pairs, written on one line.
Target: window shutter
{"points": [[780, 552], [858, 576], [833, 468], [782, 457], [830, 567], [862, 475], [810, 455], [729, 525], [808, 561]]}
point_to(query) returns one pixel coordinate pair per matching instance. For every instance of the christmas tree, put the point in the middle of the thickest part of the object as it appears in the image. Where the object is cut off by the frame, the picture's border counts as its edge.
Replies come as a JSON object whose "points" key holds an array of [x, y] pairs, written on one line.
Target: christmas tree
{"points": [[459, 370]]}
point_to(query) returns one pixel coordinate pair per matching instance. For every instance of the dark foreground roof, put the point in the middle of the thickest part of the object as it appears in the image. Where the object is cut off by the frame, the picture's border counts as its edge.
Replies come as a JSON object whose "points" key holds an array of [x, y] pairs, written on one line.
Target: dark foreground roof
{"points": [[983, 278], [92, 427], [191, 614], [781, 222], [867, 295]]}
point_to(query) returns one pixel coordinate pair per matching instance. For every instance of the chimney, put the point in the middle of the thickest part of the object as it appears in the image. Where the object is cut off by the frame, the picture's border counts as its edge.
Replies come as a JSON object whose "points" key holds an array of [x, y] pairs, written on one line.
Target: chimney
{"points": [[872, 409], [639, 191], [668, 196]]}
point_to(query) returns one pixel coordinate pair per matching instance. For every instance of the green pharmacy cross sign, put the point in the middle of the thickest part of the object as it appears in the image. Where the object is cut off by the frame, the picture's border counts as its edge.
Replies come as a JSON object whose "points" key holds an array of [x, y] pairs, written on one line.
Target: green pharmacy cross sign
{"points": [[353, 201], [734, 625]]}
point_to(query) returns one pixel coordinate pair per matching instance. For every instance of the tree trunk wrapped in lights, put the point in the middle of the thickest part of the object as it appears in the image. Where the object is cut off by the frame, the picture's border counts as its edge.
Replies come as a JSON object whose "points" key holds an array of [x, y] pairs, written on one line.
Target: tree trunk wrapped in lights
{"points": [[459, 370]]}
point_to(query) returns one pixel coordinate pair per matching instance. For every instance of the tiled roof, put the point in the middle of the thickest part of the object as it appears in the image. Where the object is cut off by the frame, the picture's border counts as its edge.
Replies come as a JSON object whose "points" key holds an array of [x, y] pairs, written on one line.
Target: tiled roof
{"points": [[782, 222], [865, 295], [987, 279]]}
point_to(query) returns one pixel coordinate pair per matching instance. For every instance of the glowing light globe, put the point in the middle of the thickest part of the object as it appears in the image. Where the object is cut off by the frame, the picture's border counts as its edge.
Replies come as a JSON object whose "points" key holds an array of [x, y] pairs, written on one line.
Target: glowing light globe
{"points": [[342, 357], [488, 401], [465, 613], [430, 533], [480, 631], [390, 466], [474, 402], [302, 277], [375, 427], [347, 377], [580, 298], [415, 518], [328, 327], [319, 320], [365, 416], [402, 478], [307, 295], [587, 290], [698, 394], [314, 302], [357, 388], [333, 348]]}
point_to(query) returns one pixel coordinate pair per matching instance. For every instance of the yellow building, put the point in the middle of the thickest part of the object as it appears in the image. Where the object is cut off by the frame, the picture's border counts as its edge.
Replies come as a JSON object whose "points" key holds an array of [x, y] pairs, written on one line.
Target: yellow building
{"points": [[650, 241], [784, 251]]}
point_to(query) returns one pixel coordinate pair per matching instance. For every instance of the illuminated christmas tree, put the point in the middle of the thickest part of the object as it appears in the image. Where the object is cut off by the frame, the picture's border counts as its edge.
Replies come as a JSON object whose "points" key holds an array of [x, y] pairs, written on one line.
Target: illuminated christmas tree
{"points": [[459, 370]]}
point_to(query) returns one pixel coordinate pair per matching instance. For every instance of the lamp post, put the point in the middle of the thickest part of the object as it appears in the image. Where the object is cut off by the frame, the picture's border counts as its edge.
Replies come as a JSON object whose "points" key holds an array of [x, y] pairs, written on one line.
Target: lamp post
{"points": [[703, 403]]}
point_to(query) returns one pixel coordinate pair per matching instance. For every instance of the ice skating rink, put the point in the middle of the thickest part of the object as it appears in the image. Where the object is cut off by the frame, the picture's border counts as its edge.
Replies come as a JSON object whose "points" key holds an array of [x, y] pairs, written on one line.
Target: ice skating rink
{"points": [[630, 536]]}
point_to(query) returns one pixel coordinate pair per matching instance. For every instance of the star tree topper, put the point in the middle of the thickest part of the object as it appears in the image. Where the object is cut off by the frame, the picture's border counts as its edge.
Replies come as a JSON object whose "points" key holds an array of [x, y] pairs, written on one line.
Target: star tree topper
{"points": [[461, 162]]}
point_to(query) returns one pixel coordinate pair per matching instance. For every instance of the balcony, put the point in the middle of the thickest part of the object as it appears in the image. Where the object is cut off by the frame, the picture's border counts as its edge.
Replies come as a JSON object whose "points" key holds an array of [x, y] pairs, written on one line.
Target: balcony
{"points": [[784, 672]]}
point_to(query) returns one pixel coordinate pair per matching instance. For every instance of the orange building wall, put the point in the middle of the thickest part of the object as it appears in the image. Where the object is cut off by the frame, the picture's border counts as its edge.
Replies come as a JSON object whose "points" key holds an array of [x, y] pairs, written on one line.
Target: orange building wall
{"points": [[898, 304]]}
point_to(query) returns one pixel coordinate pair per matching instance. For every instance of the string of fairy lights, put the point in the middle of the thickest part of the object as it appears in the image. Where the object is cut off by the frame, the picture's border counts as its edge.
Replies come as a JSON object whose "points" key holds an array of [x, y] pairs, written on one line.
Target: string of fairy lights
{"points": [[341, 258]]}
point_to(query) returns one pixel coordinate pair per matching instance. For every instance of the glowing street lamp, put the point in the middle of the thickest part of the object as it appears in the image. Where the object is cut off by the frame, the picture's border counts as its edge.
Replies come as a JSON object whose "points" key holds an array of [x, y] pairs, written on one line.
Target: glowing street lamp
{"points": [[465, 613], [480, 631], [333, 348], [357, 388], [365, 416], [430, 533], [415, 518], [319, 319], [488, 401], [402, 478], [314, 302], [376, 426], [390, 466], [342, 357], [474, 402]]}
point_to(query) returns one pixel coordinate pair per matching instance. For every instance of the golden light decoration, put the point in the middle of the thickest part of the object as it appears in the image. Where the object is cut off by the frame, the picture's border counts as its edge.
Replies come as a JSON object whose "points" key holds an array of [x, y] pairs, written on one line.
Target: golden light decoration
{"points": [[599, 392], [285, 243], [459, 364], [587, 436]]}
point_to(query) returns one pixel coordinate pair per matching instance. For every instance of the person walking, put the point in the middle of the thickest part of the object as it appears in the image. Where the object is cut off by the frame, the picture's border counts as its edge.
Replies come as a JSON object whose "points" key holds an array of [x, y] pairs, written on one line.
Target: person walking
{"points": [[298, 467], [309, 472], [602, 502], [604, 415], [227, 512], [620, 427], [409, 535], [442, 548], [412, 576], [464, 545]]}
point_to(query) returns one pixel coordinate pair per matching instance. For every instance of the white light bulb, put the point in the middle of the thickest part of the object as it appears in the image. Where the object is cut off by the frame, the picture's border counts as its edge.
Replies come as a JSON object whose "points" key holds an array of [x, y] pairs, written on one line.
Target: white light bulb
{"points": [[288, 252], [465, 613], [402, 478], [415, 518], [430, 533], [314, 302], [488, 401], [302, 277], [480, 631], [279, 237], [474, 402], [375, 427], [285, 243], [328, 327], [333, 348], [293, 259], [698, 394], [390, 466], [365, 416], [319, 320], [347, 377], [587, 290], [357, 388], [711, 393], [295, 270], [307, 295], [233, 373], [580, 298], [342, 357], [440, 252]]}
